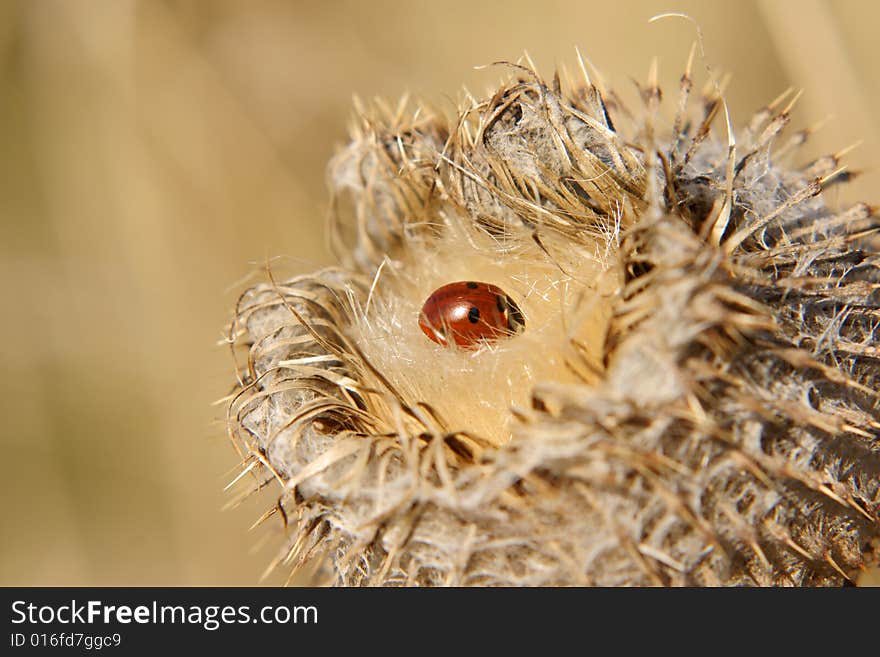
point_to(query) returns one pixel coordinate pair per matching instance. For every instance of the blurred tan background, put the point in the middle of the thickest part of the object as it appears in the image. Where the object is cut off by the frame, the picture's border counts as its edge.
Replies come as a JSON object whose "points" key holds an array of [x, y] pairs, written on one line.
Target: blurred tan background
{"points": [[156, 152]]}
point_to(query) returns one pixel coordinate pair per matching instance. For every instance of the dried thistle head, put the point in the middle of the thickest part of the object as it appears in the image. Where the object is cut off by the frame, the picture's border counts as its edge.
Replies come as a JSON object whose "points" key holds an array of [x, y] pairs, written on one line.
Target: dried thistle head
{"points": [[693, 399]]}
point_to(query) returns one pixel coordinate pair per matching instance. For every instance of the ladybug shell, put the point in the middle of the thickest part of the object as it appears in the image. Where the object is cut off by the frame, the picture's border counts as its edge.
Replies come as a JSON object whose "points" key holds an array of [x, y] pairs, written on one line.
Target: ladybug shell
{"points": [[468, 314]]}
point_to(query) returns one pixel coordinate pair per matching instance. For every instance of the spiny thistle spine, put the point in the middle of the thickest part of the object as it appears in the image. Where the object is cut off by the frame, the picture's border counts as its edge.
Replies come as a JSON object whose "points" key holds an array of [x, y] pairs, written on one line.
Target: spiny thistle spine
{"points": [[724, 429]]}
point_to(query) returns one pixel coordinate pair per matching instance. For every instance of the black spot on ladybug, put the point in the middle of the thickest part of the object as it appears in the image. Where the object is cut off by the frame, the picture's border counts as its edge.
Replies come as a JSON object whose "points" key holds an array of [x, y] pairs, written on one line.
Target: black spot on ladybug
{"points": [[472, 285], [474, 315]]}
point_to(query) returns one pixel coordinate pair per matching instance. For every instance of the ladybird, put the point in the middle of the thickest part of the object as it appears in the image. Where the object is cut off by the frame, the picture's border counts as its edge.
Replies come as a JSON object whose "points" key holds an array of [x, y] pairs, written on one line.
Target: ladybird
{"points": [[467, 314]]}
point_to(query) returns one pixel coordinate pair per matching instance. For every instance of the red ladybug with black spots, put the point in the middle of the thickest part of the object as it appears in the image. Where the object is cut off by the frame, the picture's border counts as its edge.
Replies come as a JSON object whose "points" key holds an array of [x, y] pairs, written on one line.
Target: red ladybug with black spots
{"points": [[468, 314]]}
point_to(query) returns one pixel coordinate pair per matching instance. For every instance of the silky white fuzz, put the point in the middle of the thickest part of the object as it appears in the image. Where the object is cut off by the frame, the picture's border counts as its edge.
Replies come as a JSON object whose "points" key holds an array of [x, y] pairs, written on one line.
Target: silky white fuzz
{"points": [[566, 302]]}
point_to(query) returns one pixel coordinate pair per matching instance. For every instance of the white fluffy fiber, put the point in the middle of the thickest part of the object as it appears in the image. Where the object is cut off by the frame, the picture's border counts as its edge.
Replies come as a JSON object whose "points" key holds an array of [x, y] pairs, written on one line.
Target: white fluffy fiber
{"points": [[474, 391]]}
